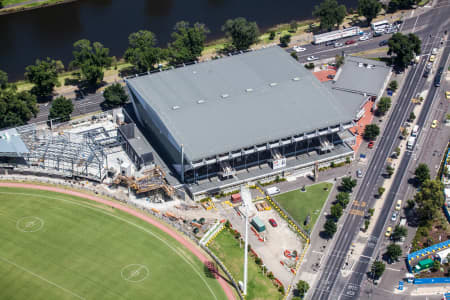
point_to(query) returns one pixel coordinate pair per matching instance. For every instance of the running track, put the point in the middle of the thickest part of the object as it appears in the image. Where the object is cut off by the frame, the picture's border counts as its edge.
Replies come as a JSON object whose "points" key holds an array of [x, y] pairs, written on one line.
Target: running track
{"points": [[178, 237]]}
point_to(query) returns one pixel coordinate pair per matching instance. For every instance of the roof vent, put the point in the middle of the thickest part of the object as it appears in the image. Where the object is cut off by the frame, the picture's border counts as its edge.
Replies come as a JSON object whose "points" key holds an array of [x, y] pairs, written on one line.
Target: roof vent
{"points": [[175, 107], [273, 84], [225, 96], [201, 101], [296, 78], [249, 90]]}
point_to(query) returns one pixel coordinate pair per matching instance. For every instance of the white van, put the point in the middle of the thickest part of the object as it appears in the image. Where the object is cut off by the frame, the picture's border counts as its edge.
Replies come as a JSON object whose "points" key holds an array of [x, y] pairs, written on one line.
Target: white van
{"points": [[415, 131], [273, 190]]}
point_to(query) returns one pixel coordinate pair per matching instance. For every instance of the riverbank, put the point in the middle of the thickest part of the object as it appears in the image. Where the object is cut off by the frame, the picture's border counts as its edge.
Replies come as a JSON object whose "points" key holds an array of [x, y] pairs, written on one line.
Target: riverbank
{"points": [[14, 6], [300, 36]]}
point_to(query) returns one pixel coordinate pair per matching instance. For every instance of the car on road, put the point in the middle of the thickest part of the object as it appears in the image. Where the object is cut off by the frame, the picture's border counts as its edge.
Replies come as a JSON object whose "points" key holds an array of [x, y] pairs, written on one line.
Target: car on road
{"points": [[337, 45], [273, 222], [330, 43], [388, 231], [398, 22], [432, 58], [377, 33], [434, 51], [359, 174], [434, 124], [429, 66], [364, 38], [426, 73], [394, 216], [349, 42], [298, 49], [383, 43], [447, 95], [398, 205], [370, 145], [312, 57]]}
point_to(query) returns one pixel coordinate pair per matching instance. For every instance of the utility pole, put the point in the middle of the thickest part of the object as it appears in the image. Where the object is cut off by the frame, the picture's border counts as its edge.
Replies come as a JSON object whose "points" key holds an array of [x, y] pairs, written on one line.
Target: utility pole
{"points": [[246, 202]]}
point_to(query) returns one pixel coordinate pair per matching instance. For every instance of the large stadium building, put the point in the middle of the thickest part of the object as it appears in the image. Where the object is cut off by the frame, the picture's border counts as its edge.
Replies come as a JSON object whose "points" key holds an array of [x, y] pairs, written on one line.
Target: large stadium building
{"points": [[247, 117]]}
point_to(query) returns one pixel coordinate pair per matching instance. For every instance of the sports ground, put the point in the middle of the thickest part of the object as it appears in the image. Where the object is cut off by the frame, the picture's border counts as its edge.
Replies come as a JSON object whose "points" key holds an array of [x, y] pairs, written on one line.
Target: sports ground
{"points": [[59, 246]]}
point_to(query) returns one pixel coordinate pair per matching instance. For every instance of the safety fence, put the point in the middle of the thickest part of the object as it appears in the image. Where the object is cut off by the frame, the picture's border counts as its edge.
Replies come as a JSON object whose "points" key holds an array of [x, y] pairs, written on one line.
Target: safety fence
{"points": [[432, 280], [423, 253]]}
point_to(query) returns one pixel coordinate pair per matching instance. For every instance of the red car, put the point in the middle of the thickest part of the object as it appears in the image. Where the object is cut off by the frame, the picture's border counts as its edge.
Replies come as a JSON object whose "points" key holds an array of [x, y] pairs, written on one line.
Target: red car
{"points": [[273, 222], [349, 42], [371, 143]]}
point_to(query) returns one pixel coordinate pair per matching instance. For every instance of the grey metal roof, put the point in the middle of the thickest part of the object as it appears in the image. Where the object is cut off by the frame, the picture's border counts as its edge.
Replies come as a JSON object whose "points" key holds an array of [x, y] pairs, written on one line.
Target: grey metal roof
{"points": [[11, 143], [239, 101], [355, 75], [351, 102]]}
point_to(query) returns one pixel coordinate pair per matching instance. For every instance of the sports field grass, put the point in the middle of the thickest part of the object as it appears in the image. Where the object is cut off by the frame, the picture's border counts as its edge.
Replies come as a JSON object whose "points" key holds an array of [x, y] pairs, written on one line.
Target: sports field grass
{"points": [[299, 204], [226, 247], [55, 246]]}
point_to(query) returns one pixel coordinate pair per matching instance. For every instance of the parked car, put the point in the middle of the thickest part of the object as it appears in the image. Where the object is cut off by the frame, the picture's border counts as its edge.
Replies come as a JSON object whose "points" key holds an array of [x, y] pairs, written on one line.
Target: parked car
{"points": [[330, 76], [394, 216], [426, 73], [312, 57], [337, 45], [273, 222], [359, 174], [434, 124], [349, 42], [398, 206], [432, 58], [388, 231], [370, 145], [383, 43], [429, 66], [434, 51]]}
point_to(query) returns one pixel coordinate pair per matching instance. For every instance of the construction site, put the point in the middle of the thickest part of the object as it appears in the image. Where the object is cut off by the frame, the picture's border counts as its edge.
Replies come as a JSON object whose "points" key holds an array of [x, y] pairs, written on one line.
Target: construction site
{"points": [[100, 148]]}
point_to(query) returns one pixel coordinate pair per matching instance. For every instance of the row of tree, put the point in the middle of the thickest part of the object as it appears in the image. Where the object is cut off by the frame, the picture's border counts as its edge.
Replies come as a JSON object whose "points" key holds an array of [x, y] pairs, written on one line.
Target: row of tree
{"points": [[336, 210]]}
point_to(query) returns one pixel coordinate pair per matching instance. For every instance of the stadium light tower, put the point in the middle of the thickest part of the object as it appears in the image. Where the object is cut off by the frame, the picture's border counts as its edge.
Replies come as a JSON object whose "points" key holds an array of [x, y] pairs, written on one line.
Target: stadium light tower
{"points": [[246, 202]]}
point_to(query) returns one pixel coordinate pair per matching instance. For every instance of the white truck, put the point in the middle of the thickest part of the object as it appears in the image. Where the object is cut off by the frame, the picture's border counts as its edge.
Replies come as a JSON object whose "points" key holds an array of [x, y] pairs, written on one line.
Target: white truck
{"points": [[410, 143], [415, 131], [336, 35], [273, 190]]}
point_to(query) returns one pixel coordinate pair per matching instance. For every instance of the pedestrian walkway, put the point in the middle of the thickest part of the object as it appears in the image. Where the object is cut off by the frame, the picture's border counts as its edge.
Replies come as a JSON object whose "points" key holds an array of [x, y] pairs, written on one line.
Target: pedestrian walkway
{"points": [[358, 130]]}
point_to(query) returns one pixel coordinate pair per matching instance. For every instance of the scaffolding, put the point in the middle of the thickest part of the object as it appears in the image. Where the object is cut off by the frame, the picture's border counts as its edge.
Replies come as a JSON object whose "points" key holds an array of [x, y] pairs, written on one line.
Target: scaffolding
{"points": [[70, 154], [153, 179]]}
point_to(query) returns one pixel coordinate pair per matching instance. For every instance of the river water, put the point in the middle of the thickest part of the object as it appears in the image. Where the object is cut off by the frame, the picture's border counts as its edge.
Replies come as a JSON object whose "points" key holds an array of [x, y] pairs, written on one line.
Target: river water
{"points": [[52, 31]]}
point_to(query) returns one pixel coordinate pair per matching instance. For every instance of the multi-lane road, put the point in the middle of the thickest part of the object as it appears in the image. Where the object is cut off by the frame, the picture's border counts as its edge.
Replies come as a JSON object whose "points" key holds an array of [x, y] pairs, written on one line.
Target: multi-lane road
{"points": [[332, 285]]}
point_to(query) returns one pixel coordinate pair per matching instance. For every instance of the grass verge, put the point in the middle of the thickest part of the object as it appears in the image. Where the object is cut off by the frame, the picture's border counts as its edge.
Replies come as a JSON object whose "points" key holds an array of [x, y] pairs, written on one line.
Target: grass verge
{"points": [[301, 204]]}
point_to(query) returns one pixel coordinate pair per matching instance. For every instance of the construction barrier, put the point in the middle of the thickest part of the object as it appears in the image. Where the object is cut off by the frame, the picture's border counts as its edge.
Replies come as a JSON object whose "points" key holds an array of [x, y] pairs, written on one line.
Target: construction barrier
{"points": [[417, 255], [432, 280]]}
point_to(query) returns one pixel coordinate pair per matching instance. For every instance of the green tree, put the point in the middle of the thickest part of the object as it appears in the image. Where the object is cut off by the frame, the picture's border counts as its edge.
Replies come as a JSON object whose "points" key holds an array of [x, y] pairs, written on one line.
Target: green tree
{"points": [[293, 26], [411, 203], [389, 170], [336, 211], [394, 251], [141, 52], [91, 59], [405, 132], [399, 232], [241, 32], [369, 9], [115, 95], [44, 76], [285, 40], [381, 191], [343, 199], [371, 131], [377, 269], [393, 85], [422, 173], [302, 288], [436, 265], [429, 200], [383, 105], [330, 14], [16, 108], [412, 116], [405, 48], [339, 60], [59, 66], [294, 55], [61, 109], [330, 228], [397, 151], [395, 5], [188, 42], [347, 184], [271, 35]]}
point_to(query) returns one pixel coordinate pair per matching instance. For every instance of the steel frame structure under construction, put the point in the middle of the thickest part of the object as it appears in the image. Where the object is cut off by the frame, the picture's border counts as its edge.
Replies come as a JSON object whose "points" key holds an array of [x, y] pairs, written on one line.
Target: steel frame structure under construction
{"points": [[73, 154]]}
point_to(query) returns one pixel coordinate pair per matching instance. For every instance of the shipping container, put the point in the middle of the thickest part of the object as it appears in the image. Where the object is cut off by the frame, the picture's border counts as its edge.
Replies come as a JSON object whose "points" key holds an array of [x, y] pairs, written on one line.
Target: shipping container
{"points": [[235, 198]]}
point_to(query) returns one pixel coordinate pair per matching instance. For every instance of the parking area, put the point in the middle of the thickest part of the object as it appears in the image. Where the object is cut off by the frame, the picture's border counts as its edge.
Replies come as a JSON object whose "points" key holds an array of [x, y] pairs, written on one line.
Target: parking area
{"points": [[271, 243]]}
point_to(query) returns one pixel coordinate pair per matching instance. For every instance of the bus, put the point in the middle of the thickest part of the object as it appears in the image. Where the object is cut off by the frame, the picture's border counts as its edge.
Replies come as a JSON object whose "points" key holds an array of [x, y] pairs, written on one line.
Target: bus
{"points": [[380, 25]]}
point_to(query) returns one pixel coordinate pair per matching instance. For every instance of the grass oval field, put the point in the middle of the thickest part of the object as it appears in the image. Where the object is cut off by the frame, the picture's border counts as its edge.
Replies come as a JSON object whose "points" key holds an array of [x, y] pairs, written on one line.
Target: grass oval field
{"points": [[57, 246]]}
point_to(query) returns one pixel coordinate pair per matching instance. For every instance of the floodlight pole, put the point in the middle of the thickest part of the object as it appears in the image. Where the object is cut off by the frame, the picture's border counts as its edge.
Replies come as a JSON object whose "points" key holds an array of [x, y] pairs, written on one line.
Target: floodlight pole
{"points": [[246, 249]]}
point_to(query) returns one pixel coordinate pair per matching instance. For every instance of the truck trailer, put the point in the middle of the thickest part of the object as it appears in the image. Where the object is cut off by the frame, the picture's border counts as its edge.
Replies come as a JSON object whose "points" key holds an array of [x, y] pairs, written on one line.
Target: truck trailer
{"points": [[336, 35]]}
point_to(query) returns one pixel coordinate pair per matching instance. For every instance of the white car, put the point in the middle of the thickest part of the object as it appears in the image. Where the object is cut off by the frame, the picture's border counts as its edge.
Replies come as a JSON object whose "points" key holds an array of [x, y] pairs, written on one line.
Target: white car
{"points": [[298, 49], [312, 57], [429, 66], [337, 45], [434, 51], [364, 38]]}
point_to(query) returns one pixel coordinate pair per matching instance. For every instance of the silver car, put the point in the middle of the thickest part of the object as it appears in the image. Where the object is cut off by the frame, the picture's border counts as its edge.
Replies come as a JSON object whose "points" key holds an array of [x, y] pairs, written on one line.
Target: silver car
{"points": [[359, 174], [394, 216]]}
